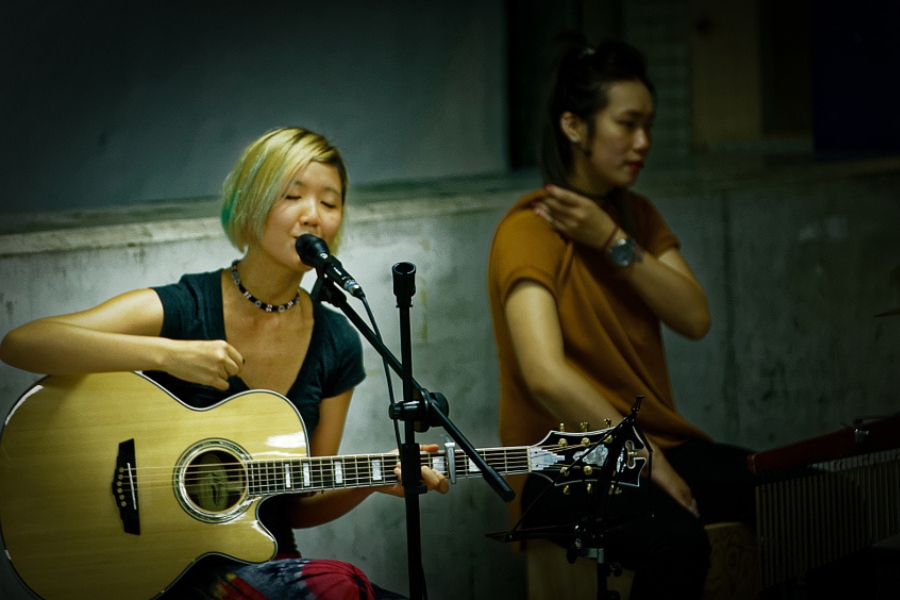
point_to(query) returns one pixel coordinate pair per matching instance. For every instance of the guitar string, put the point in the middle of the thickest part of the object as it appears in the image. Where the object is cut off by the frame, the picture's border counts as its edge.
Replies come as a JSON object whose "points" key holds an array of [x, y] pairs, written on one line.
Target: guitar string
{"points": [[356, 468], [355, 461]]}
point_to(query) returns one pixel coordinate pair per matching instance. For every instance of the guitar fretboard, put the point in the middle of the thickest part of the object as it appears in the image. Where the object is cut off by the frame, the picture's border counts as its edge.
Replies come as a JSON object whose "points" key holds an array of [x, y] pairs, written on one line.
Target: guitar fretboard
{"points": [[314, 474]]}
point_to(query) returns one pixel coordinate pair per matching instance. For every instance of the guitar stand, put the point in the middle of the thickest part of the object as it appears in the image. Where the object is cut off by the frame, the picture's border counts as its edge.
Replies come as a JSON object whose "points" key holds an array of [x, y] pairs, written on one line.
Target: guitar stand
{"points": [[595, 549], [419, 410], [586, 537], [581, 543]]}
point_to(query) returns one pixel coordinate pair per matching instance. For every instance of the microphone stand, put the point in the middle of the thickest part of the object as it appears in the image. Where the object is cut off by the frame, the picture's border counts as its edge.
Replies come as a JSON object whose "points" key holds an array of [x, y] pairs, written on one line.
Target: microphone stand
{"points": [[419, 410]]}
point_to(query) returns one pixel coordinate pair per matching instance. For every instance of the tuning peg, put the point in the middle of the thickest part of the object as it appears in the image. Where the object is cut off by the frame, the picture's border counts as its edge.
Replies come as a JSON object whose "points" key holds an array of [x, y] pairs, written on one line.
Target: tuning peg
{"points": [[563, 442], [566, 490], [585, 441], [564, 471], [589, 488], [588, 469], [584, 426], [562, 426], [608, 423], [632, 454]]}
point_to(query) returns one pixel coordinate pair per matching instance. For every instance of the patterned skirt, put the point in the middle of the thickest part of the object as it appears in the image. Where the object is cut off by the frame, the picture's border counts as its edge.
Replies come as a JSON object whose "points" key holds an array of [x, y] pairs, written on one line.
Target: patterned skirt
{"points": [[285, 578]]}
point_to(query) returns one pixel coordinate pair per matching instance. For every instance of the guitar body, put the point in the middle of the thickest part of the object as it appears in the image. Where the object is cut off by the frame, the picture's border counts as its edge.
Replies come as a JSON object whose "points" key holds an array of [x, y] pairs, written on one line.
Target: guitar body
{"points": [[110, 487], [102, 483]]}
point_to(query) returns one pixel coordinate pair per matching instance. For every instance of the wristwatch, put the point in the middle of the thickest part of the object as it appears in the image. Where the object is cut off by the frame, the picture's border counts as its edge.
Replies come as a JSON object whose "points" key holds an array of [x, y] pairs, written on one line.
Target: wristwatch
{"points": [[624, 252]]}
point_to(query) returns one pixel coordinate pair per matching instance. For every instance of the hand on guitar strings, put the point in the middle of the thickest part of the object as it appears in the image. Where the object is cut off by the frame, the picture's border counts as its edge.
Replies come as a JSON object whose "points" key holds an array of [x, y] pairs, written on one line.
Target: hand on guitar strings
{"points": [[431, 479], [210, 362]]}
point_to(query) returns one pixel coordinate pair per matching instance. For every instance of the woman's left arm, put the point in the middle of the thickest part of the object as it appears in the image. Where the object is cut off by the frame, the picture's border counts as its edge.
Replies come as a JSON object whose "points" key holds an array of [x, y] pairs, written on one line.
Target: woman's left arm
{"points": [[321, 507], [668, 286]]}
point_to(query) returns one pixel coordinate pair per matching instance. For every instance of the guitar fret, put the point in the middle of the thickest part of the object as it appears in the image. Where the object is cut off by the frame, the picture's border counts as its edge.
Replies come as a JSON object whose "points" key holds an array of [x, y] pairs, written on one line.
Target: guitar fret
{"points": [[355, 473], [252, 478], [266, 477], [364, 470], [314, 469], [351, 478], [326, 474], [295, 468], [273, 477], [490, 457]]}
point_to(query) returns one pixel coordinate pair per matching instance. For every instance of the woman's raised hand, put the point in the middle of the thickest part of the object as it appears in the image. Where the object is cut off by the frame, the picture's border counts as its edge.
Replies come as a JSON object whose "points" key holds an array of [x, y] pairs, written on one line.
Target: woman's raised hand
{"points": [[577, 217]]}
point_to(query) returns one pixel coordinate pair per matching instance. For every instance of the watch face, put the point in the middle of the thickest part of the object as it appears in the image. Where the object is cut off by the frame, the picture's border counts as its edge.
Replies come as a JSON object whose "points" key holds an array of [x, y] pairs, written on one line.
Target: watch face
{"points": [[622, 253]]}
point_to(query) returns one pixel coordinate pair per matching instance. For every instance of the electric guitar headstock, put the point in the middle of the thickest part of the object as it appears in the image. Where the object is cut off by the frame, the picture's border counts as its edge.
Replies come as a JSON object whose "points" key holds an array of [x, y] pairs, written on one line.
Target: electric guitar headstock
{"points": [[567, 458]]}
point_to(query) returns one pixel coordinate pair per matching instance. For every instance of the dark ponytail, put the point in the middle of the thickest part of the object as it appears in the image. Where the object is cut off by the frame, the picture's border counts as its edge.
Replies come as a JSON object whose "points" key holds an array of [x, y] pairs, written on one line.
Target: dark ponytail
{"points": [[579, 83]]}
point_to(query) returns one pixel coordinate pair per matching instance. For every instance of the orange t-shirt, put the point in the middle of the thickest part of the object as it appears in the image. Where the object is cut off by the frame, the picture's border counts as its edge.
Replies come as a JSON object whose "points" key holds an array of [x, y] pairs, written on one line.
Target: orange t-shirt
{"points": [[610, 336]]}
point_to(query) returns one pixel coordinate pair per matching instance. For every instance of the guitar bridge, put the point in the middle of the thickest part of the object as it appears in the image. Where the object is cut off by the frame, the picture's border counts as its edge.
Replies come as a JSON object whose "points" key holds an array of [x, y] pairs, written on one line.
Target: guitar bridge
{"points": [[125, 488]]}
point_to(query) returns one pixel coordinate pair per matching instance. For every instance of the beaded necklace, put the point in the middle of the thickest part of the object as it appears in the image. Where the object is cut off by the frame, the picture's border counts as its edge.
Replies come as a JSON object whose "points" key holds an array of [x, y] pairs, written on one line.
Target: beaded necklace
{"points": [[257, 302]]}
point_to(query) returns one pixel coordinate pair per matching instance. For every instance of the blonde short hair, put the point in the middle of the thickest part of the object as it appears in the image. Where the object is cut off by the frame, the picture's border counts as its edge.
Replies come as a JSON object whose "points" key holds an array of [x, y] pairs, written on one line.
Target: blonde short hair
{"points": [[261, 176]]}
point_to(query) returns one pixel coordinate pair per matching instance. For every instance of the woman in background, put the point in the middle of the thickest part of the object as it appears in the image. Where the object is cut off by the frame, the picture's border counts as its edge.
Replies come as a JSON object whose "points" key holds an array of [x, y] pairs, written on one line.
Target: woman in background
{"points": [[581, 274], [247, 326]]}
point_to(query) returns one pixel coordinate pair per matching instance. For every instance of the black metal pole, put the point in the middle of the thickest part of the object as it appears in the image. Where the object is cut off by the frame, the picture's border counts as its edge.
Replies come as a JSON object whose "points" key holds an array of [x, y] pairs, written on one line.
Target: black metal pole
{"points": [[419, 408], [410, 459]]}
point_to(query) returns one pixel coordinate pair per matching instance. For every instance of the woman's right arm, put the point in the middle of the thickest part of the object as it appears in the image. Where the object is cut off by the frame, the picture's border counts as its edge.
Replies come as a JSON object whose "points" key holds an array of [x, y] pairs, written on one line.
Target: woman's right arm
{"points": [[537, 340], [122, 334]]}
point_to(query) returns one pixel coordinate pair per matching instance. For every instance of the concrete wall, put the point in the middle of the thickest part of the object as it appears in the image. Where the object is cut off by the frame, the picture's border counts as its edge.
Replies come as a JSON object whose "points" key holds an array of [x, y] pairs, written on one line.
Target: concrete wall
{"points": [[108, 103], [796, 262]]}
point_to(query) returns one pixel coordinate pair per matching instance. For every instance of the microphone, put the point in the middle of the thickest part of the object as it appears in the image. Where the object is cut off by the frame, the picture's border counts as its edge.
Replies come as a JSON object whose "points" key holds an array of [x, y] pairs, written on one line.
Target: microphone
{"points": [[314, 252]]}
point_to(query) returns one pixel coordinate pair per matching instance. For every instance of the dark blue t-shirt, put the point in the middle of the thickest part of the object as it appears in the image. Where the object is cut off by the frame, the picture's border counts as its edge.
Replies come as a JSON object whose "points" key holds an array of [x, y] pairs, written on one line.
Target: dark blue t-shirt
{"points": [[192, 310]]}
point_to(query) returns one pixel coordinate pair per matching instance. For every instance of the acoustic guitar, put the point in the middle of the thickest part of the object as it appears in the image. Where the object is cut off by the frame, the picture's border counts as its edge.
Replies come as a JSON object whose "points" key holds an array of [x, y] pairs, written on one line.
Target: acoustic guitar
{"points": [[110, 487]]}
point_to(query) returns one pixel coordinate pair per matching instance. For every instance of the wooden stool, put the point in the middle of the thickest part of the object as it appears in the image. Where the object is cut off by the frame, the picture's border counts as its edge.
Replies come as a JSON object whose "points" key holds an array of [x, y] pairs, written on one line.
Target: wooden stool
{"points": [[733, 563], [732, 571]]}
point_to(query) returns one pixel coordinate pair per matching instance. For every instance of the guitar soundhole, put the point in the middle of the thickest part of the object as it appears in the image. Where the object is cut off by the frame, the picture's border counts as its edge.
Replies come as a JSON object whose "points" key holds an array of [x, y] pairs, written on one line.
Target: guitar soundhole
{"points": [[214, 481]]}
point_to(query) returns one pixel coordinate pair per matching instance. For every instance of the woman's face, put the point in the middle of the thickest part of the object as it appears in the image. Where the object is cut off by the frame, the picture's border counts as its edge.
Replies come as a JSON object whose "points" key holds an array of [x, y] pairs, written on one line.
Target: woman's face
{"points": [[621, 141], [311, 204]]}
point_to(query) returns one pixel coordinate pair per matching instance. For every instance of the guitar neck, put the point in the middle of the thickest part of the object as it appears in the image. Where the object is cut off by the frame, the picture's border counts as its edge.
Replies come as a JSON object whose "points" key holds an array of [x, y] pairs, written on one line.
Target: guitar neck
{"points": [[313, 474]]}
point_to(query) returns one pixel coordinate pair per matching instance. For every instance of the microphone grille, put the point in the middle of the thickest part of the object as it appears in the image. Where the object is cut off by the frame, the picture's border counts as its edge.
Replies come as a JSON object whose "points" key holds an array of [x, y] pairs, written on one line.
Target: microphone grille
{"points": [[311, 248]]}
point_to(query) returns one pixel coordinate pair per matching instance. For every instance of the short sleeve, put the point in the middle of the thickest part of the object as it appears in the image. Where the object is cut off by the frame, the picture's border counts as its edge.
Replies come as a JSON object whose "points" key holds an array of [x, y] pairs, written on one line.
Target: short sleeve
{"points": [[525, 247], [178, 301]]}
